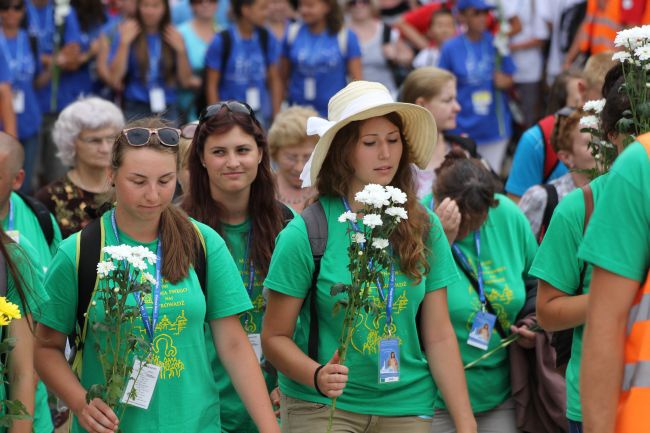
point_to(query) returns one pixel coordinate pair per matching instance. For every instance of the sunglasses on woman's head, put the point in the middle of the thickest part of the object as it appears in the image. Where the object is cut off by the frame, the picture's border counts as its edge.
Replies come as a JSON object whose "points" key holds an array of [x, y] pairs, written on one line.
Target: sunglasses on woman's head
{"points": [[232, 106], [189, 129], [140, 136]]}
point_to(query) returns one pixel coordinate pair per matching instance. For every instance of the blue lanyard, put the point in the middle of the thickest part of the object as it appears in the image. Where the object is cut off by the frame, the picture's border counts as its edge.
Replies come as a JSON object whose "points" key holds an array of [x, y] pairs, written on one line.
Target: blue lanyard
{"points": [[251, 266], [479, 270], [155, 53], [13, 62], [391, 279], [477, 67], [10, 223], [41, 29], [150, 326]]}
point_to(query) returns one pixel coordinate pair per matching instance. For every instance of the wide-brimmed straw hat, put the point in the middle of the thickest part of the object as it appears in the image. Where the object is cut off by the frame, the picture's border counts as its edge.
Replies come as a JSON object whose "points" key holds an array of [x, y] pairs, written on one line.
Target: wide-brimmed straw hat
{"points": [[361, 100]]}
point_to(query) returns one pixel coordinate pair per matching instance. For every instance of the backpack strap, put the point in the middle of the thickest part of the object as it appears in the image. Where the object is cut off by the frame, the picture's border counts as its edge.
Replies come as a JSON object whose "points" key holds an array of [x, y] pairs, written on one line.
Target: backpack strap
{"points": [[552, 200], [264, 37], [385, 33], [342, 39], [316, 223], [551, 160], [588, 194], [287, 214], [42, 215], [200, 259], [226, 49]]}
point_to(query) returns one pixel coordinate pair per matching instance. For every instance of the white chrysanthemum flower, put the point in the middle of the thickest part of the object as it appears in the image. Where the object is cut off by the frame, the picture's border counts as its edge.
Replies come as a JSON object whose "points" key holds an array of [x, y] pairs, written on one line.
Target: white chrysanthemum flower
{"points": [[144, 254], [358, 238], [595, 106], [137, 263], [372, 220], [589, 122], [397, 196], [643, 53], [380, 243], [105, 268], [118, 252], [621, 56], [502, 43], [148, 278], [632, 38], [398, 212], [348, 216], [373, 195]]}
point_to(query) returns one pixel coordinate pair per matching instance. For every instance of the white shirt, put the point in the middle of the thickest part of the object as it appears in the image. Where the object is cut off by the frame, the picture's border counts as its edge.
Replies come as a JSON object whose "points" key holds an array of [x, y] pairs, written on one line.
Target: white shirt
{"points": [[530, 61]]}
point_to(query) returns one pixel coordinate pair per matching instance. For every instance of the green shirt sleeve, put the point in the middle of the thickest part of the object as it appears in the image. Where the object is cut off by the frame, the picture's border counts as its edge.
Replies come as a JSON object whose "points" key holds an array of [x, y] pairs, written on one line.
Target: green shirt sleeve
{"points": [[292, 264], [56, 241], [442, 269], [226, 294], [618, 238]]}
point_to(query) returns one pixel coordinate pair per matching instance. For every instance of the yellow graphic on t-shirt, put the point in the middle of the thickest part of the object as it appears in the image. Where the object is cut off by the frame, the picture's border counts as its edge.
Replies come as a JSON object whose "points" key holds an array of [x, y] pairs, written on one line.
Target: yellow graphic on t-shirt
{"points": [[498, 298]]}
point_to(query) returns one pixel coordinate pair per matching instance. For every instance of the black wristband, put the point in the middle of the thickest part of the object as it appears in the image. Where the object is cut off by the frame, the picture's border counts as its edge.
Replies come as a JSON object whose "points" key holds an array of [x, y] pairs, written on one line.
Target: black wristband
{"points": [[316, 380]]}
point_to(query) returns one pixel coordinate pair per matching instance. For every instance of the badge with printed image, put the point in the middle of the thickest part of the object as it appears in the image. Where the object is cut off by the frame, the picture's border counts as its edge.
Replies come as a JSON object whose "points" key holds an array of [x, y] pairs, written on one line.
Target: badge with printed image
{"points": [[256, 342], [481, 101], [14, 235], [18, 101], [482, 329], [389, 360], [310, 89], [141, 385], [157, 101], [253, 98]]}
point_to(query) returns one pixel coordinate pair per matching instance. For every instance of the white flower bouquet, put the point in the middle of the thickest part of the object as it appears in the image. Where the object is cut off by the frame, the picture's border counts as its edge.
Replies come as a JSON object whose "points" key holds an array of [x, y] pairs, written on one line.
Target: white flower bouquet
{"points": [[603, 151]]}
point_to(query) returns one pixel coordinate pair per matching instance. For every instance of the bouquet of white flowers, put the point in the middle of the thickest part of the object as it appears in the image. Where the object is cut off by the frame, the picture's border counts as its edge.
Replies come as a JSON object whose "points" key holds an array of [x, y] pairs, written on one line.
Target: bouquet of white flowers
{"points": [[602, 150]]}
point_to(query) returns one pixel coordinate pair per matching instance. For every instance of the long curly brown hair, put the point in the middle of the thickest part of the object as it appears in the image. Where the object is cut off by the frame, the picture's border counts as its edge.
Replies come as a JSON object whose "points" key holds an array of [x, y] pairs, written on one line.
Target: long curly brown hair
{"points": [[264, 210], [336, 175]]}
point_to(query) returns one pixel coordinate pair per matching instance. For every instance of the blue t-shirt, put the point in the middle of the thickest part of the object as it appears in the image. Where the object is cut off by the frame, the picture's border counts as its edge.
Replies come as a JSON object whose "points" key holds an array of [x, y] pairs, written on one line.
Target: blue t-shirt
{"points": [[473, 64], [136, 88], [19, 62], [182, 12], [84, 80], [246, 68], [317, 60], [5, 78], [528, 164], [41, 25]]}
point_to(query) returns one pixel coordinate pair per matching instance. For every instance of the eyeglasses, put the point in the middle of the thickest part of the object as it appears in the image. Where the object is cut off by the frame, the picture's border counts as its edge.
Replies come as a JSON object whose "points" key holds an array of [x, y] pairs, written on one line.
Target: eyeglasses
{"points": [[232, 106], [97, 140], [16, 7], [189, 129], [139, 136]]}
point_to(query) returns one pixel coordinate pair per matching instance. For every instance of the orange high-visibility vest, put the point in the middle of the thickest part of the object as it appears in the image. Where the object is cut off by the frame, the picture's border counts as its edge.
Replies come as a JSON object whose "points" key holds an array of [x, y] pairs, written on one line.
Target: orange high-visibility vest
{"points": [[599, 28], [633, 414]]}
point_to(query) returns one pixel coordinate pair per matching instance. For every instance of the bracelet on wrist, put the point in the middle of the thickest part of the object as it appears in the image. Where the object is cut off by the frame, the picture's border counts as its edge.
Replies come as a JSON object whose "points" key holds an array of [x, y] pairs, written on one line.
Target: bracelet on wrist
{"points": [[316, 380]]}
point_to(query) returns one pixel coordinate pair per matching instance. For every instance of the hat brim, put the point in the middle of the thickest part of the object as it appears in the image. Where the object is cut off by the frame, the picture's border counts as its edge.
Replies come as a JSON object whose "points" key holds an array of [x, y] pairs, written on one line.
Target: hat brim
{"points": [[418, 127]]}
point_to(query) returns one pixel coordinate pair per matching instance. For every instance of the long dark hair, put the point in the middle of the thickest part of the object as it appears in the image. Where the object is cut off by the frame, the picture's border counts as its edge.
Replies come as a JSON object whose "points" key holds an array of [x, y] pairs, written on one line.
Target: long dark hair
{"points": [[336, 174], [179, 237], [13, 272], [142, 49], [90, 13], [264, 210]]}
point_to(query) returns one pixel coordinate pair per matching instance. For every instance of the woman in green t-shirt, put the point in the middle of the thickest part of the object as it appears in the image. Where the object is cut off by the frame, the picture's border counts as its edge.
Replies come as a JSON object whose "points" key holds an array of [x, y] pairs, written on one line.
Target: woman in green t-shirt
{"points": [[493, 247], [233, 191], [144, 165], [368, 139]]}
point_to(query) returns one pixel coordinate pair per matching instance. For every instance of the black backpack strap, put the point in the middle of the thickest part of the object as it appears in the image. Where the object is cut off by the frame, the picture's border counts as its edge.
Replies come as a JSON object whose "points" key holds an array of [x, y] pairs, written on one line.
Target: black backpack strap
{"points": [[316, 223], [200, 261], [287, 214], [90, 243], [385, 34], [226, 49], [42, 215], [551, 203], [488, 306]]}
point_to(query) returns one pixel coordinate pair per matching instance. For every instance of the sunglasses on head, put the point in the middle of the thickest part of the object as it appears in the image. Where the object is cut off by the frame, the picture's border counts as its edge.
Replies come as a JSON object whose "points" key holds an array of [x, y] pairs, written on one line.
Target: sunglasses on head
{"points": [[16, 7], [189, 129], [140, 136], [232, 106]]}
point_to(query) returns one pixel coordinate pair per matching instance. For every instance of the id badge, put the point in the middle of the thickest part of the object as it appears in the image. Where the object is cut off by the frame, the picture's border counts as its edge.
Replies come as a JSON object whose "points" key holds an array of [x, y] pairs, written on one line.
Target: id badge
{"points": [[18, 101], [142, 383], [253, 98], [482, 329], [481, 101], [256, 342], [157, 100], [310, 89], [14, 235], [389, 360]]}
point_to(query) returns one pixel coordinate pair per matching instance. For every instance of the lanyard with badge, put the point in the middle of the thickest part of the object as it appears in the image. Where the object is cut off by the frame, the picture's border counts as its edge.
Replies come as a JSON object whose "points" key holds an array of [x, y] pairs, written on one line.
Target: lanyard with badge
{"points": [[310, 64], [479, 69], [253, 94], [43, 31], [157, 102], [389, 356], [11, 224], [144, 376], [17, 95], [253, 337], [483, 324]]}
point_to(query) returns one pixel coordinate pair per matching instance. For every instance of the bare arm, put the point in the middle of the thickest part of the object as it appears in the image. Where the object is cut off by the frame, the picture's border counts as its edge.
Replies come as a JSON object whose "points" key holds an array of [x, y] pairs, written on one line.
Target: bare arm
{"points": [[557, 310], [279, 348], [129, 30], [22, 379], [7, 110], [241, 364], [275, 85], [610, 300], [285, 72], [411, 34], [531, 43], [502, 80], [355, 71], [183, 68], [445, 363], [54, 370], [212, 77], [103, 68]]}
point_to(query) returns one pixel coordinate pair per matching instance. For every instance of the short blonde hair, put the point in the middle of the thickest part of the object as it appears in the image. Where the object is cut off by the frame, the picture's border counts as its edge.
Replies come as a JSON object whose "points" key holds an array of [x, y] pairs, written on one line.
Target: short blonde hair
{"points": [[596, 68], [289, 129], [425, 83], [184, 151]]}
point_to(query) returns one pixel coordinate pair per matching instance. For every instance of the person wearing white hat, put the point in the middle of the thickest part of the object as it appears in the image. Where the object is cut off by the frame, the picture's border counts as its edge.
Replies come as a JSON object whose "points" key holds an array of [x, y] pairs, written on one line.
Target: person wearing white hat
{"points": [[368, 138]]}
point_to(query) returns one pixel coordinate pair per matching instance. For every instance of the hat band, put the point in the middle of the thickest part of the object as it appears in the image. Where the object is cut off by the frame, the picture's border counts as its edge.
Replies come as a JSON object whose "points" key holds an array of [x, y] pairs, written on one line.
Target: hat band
{"points": [[366, 101]]}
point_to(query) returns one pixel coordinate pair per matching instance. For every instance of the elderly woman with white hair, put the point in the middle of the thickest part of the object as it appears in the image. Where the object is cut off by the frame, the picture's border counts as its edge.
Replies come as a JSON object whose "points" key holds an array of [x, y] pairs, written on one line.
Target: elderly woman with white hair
{"points": [[84, 134]]}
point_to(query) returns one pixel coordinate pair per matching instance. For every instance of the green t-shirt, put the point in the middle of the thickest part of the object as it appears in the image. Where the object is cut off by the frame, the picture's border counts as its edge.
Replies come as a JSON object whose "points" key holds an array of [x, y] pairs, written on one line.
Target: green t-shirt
{"points": [[186, 396], [507, 251], [618, 238], [558, 264], [26, 224], [234, 416], [291, 271], [36, 297]]}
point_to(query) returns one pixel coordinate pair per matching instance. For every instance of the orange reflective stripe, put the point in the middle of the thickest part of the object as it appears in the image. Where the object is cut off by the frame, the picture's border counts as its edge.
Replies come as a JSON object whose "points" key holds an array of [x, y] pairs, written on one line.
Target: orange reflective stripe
{"points": [[598, 32], [632, 416], [644, 139], [637, 343]]}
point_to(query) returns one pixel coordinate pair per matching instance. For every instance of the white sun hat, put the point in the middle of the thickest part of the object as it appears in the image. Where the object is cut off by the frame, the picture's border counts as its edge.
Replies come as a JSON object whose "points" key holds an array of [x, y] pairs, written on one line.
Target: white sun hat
{"points": [[361, 100]]}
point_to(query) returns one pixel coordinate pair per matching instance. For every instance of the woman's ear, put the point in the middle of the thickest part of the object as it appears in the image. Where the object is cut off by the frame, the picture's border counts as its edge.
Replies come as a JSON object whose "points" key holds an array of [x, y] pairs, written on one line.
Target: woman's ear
{"points": [[420, 101], [566, 158]]}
